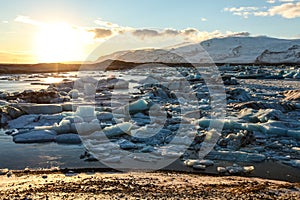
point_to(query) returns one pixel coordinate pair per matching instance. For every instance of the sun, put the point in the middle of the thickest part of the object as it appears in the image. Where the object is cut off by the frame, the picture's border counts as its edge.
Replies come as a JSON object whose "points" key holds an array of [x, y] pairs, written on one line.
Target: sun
{"points": [[58, 42]]}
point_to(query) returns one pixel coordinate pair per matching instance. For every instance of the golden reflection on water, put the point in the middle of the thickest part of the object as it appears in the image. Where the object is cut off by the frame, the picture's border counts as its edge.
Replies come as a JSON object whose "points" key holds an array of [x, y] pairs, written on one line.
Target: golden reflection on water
{"points": [[53, 80]]}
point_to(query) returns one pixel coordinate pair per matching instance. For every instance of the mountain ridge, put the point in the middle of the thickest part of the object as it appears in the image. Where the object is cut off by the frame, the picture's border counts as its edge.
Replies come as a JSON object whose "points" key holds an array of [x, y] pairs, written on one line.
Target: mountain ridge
{"points": [[233, 50]]}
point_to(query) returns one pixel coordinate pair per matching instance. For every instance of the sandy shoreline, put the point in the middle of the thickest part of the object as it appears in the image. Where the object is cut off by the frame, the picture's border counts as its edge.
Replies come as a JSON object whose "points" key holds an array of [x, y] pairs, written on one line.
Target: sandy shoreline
{"points": [[134, 185]]}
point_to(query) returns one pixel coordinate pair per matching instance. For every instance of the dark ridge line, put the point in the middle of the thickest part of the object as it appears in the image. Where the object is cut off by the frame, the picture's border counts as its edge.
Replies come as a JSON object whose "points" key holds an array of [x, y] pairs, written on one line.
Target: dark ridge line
{"points": [[112, 65]]}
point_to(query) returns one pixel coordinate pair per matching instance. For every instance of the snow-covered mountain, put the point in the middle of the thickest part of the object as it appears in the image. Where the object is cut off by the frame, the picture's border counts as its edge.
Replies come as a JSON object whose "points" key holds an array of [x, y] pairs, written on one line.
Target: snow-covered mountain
{"points": [[219, 50]]}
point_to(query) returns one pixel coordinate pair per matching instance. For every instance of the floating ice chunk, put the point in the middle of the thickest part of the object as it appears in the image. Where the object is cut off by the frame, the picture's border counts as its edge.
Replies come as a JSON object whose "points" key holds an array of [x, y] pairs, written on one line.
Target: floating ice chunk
{"points": [[102, 116], [147, 149], [87, 113], [145, 131], [173, 154], [191, 162], [31, 121], [276, 131], [297, 75], [254, 127], [171, 149], [248, 169], [125, 144], [86, 128], [199, 167], [234, 169], [74, 94], [138, 106], [204, 122], [221, 170], [69, 138], [199, 164], [120, 84], [63, 127], [117, 130], [3, 102], [264, 115], [35, 136], [289, 74], [293, 163], [248, 115], [73, 119], [41, 108], [294, 134], [24, 121], [141, 116], [182, 140], [206, 162], [227, 123], [231, 124], [89, 89]]}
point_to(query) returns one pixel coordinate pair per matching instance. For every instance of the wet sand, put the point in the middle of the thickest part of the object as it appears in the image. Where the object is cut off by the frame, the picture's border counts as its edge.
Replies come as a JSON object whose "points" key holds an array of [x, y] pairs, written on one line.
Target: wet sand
{"points": [[115, 185]]}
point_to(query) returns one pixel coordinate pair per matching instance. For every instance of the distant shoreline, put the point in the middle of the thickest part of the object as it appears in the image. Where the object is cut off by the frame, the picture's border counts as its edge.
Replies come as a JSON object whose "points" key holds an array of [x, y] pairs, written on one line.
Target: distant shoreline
{"points": [[107, 65]]}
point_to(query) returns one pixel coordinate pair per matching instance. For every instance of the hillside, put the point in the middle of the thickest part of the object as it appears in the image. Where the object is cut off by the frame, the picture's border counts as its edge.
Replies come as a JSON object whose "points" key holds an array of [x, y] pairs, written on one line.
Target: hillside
{"points": [[219, 50]]}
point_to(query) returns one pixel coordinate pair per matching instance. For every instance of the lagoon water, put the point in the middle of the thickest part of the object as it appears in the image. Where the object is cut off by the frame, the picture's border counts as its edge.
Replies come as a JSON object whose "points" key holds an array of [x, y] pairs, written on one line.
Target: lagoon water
{"points": [[48, 155]]}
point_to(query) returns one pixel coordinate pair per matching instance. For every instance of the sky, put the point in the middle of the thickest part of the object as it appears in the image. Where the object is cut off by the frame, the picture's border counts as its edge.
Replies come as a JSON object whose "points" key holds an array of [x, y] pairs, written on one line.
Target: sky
{"points": [[35, 31]]}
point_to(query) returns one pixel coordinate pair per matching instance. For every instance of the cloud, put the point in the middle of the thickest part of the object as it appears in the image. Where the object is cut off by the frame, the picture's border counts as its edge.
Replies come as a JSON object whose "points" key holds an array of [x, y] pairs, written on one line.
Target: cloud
{"points": [[27, 20], [286, 1], [189, 31], [101, 33], [283, 1], [107, 29], [106, 24], [261, 14], [203, 19], [238, 34], [189, 34], [286, 10], [4, 21], [242, 11], [171, 32], [168, 32], [143, 33]]}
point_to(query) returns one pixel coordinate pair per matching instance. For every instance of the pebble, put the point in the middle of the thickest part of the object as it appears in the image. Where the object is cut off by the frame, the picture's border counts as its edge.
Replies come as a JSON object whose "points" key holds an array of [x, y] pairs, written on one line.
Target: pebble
{"points": [[9, 174], [44, 176], [3, 171], [70, 173]]}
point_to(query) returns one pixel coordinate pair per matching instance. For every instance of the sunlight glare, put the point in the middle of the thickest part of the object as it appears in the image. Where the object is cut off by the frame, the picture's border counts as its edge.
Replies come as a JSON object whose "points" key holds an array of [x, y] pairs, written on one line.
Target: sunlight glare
{"points": [[58, 42]]}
